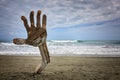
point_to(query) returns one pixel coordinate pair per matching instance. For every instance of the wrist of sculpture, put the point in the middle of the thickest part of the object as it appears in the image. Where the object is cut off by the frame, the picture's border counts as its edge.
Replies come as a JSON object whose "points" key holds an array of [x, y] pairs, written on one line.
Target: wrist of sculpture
{"points": [[45, 58], [44, 52]]}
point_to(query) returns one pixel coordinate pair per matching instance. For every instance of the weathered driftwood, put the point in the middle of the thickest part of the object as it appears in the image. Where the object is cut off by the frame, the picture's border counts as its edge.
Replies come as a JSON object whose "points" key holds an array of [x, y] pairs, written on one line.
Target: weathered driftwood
{"points": [[36, 37]]}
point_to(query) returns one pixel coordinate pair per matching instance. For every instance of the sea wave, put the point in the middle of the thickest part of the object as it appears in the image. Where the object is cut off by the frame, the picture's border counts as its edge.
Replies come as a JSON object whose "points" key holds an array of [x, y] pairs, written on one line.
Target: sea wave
{"points": [[89, 42], [65, 41], [66, 47], [114, 42], [86, 42], [7, 44]]}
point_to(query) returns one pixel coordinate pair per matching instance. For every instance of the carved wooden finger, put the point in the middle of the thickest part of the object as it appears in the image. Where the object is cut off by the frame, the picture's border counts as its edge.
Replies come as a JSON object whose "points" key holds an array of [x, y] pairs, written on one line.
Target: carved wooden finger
{"points": [[25, 22], [38, 19], [19, 41], [32, 18], [44, 21]]}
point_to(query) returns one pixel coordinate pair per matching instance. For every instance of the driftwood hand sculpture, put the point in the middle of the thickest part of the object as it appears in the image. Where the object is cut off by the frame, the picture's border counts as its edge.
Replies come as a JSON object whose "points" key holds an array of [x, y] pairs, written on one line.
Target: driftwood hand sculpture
{"points": [[36, 37]]}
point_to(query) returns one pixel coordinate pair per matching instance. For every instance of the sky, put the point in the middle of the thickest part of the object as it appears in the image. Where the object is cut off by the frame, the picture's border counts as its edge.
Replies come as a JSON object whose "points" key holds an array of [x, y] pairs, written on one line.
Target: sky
{"points": [[66, 19]]}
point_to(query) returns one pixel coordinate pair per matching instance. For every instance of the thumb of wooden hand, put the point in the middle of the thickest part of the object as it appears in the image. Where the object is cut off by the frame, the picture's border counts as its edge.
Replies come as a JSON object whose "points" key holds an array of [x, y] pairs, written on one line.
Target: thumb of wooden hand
{"points": [[19, 41]]}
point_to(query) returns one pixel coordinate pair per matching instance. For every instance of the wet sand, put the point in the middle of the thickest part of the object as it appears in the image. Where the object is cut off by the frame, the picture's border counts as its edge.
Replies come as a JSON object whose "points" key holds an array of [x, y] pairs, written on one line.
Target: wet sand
{"points": [[60, 68]]}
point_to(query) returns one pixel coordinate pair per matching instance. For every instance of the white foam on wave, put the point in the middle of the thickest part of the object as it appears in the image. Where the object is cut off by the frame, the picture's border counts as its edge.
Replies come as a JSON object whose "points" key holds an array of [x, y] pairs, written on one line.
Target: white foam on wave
{"points": [[7, 44], [62, 41], [12, 49]]}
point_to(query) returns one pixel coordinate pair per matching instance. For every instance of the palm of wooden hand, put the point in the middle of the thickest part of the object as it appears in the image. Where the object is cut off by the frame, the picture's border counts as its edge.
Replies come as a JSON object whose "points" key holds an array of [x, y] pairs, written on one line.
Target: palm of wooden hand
{"points": [[36, 37]]}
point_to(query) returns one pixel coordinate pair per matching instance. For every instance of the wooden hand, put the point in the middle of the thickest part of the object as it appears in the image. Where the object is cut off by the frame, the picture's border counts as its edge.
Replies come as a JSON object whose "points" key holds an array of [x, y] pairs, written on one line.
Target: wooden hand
{"points": [[36, 37]]}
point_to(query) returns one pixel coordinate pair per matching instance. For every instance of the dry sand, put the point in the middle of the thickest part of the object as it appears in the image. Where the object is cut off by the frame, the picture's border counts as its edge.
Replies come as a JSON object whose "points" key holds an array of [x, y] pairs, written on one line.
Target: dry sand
{"points": [[60, 68]]}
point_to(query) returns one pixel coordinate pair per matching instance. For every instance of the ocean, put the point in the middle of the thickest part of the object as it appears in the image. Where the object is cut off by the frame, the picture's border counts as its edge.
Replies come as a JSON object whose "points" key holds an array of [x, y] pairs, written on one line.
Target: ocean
{"points": [[66, 48]]}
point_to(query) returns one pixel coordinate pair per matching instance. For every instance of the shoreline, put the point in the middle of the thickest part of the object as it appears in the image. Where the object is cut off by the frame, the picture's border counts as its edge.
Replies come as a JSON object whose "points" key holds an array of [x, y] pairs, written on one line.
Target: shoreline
{"points": [[70, 55]]}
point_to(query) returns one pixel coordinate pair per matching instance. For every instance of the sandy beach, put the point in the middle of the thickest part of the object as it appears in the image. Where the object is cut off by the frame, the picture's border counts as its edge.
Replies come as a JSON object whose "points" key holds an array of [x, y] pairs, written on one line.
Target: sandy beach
{"points": [[60, 68]]}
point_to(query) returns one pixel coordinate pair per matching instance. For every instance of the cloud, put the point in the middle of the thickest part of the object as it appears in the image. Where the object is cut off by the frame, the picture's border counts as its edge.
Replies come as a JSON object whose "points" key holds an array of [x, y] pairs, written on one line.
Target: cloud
{"points": [[74, 12], [63, 13], [60, 13]]}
